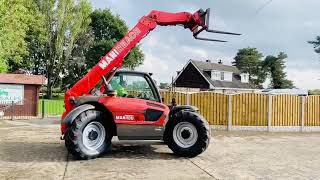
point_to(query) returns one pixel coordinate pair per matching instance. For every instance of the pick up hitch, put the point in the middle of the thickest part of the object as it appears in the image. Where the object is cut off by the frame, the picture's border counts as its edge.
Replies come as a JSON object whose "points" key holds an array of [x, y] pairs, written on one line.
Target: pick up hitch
{"points": [[204, 15]]}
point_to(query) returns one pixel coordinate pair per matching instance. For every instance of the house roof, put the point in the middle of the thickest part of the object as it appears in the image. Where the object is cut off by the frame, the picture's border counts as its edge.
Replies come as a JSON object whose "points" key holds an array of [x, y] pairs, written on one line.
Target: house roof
{"points": [[203, 66], [22, 79]]}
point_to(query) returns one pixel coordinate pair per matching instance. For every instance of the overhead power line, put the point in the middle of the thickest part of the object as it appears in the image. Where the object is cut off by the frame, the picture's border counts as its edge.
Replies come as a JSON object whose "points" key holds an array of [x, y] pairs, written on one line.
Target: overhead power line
{"points": [[262, 7]]}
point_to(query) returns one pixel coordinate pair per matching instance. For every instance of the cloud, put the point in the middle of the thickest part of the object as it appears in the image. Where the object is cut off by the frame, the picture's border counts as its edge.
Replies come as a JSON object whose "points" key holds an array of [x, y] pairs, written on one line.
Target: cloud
{"points": [[309, 79], [159, 66], [195, 53], [284, 25], [152, 63]]}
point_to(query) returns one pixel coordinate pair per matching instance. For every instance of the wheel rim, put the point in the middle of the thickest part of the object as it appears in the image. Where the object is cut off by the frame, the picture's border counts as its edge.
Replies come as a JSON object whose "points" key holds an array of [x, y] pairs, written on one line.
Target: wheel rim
{"points": [[93, 135], [185, 134]]}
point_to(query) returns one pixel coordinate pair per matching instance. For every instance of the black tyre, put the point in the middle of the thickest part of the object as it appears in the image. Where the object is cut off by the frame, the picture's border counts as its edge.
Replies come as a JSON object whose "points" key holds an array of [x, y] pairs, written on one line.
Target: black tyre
{"points": [[87, 137], [187, 134]]}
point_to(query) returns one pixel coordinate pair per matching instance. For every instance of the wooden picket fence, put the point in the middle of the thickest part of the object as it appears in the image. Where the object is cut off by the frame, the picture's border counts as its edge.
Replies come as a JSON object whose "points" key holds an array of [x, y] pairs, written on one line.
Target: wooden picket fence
{"points": [[312, 111], [252, 109], [213, 106]]}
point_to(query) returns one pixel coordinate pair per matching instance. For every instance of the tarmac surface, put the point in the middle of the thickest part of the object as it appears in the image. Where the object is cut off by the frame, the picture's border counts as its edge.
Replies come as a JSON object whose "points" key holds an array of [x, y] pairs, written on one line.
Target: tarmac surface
{"points": [[31, 149]]}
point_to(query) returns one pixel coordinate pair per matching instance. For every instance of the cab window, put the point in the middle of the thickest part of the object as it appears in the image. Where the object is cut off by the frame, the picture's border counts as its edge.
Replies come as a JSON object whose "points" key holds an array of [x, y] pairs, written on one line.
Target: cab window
{"points": [[134, 86]]}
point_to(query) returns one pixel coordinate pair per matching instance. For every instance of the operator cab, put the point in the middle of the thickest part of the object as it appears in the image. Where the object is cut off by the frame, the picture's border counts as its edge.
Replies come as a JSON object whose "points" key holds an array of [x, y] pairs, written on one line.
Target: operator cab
{"points": [[132, 84]]}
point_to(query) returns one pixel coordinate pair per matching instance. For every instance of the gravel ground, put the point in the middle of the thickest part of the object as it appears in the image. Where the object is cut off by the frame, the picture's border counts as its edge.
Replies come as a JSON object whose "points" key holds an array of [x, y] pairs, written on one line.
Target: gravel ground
{"points": [[31, 149]]}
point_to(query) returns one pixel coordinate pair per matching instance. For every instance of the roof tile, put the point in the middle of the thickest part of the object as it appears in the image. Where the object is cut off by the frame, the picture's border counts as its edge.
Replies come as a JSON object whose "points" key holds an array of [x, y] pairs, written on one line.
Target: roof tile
{"points": [[202, 65]]}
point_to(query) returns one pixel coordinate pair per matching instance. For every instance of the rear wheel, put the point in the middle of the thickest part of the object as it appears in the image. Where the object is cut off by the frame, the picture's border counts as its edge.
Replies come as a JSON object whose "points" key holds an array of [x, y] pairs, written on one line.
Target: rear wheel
{"points": [[87, 137], [188, 134]]}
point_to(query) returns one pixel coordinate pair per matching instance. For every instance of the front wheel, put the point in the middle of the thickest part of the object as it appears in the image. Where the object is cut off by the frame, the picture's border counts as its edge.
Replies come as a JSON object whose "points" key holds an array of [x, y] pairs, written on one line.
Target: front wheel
{"points": [[87, 137], [188, 134]]}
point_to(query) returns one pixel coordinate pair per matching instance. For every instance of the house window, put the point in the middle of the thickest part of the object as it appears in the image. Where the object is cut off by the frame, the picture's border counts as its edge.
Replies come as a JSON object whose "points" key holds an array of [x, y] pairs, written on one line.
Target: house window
{"points": [[222, 76], [216, 75], [244, 78]]}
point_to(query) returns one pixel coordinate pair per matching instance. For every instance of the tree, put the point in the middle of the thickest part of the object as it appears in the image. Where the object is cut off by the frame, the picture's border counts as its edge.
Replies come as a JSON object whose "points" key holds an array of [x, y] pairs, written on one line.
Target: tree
{"points": [[109, 29], [33, 62], [314, 92], [275, 67], [77, 65], [64, 20], [316, 44], [57, 38], [104, 31], [164, 85], [248, 60], [16, 17]]}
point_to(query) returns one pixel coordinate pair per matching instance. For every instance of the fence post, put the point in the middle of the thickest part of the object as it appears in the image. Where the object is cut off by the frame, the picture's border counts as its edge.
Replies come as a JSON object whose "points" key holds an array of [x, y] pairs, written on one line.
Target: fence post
{"points": [[188, 98], [269, 112], [302, 113], [42, 108], [229, 112], [12, 110]]}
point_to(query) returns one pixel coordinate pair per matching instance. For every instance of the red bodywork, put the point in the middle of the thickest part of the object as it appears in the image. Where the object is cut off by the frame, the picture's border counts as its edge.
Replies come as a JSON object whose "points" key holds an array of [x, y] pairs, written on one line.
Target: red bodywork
{"points": [[121, 106], [114, 58]]}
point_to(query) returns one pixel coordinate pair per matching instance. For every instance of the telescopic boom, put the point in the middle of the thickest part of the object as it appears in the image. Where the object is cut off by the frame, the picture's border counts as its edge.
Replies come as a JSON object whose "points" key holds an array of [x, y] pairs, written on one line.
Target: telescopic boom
{"points": [[196, 22]]}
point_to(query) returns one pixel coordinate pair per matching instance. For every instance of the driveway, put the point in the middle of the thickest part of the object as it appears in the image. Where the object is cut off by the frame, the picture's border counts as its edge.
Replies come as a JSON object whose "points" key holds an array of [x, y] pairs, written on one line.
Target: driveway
{"points": [[31, 149]]}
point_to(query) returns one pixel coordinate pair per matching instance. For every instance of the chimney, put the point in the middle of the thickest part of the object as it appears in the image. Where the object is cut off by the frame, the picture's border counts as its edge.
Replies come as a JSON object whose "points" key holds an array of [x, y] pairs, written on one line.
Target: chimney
{"points": [[220, 62], [208, 61]]}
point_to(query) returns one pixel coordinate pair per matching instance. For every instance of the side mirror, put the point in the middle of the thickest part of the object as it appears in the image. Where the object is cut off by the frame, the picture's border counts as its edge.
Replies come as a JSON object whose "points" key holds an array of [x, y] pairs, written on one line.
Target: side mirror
{"points": [[110, 91]]}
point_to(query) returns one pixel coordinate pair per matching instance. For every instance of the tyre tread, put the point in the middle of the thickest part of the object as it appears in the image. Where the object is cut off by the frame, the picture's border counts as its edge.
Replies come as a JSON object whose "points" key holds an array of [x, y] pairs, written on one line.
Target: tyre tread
{"points": [[203, 134], [72, 133]]}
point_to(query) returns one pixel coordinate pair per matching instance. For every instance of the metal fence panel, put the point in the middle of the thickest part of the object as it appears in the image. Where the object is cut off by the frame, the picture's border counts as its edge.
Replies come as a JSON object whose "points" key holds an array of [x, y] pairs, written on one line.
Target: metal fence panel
{"points": [[51, 108], [16, 110], [32, 110]]}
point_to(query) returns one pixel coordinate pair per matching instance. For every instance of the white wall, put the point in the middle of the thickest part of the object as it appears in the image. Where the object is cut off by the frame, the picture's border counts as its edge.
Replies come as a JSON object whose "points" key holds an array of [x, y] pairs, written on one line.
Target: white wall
{"points": [[221, 75], [227, 76]]}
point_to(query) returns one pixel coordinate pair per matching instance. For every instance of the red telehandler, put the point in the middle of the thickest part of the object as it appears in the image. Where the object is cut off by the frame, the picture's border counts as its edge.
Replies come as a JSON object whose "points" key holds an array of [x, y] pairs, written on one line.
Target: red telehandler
{"points": [[94, 112]]}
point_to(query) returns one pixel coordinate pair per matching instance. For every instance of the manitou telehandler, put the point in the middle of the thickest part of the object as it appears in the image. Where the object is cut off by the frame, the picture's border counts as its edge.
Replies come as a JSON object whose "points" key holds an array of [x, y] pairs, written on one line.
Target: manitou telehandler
{"points": [[95, 112]]}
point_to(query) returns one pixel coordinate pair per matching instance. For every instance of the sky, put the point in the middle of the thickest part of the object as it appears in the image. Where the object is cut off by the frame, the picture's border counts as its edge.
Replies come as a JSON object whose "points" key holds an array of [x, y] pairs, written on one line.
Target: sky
{"points": [[271, 26]]}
